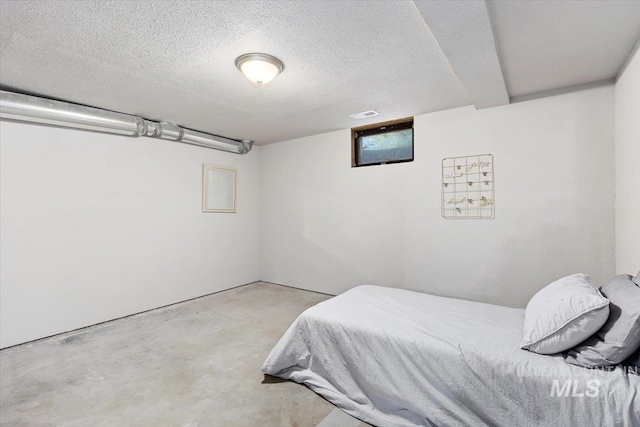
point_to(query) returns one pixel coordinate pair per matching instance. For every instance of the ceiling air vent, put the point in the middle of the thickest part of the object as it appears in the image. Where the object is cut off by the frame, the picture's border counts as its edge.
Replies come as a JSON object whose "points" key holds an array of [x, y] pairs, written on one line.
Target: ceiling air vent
{"points": [[364, 114]]}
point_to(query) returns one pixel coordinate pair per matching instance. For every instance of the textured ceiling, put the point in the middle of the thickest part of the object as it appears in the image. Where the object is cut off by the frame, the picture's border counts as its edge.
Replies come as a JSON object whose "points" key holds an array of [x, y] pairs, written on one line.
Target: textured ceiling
{"points": [[174, 60]]}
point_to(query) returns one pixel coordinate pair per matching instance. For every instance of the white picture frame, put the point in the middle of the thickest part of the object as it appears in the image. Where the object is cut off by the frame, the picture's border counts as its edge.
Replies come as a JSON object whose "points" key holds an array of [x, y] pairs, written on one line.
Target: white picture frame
{"points": [[218, 189]]}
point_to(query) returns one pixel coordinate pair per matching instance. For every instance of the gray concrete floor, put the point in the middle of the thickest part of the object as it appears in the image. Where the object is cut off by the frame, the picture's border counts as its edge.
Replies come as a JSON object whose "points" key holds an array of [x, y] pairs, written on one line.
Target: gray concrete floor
{"points": [[195, 363]]}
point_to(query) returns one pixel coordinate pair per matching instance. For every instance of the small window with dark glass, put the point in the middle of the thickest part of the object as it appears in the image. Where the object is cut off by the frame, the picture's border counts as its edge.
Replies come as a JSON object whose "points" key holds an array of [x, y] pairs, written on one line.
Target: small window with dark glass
{"points": [[382, 143]]}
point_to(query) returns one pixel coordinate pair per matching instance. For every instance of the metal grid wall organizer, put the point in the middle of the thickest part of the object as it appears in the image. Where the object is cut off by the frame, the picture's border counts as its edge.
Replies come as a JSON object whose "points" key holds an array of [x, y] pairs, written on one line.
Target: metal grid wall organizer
{"points": [[468, 187]]}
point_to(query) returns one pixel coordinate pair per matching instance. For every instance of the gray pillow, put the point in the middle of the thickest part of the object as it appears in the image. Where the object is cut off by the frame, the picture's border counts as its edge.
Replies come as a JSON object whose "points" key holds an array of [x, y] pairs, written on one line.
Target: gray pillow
{"points": [[619, 338], [633, 363]]}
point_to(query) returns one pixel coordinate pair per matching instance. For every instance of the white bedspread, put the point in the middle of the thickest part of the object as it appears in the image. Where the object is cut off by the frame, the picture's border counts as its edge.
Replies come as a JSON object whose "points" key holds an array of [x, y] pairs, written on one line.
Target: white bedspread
{"points": [[397, 358]]}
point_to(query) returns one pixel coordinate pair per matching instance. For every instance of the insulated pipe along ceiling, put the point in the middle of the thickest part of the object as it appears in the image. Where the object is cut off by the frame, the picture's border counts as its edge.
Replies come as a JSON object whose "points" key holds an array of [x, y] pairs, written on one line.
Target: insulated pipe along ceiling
{"points": [[27, 108]]}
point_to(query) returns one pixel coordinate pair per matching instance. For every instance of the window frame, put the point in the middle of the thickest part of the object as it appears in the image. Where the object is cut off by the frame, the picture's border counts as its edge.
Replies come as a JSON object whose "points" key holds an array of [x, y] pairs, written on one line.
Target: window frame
{"points": [[376, 129]]}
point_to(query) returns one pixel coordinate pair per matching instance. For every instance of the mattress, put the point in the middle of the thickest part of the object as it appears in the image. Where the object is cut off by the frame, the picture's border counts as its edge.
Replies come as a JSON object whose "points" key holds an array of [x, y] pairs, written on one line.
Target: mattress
{"points": [[392, 357]]}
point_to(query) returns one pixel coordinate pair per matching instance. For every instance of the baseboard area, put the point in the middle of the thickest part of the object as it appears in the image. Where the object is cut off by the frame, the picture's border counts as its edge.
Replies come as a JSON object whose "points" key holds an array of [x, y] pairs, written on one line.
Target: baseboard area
{"points": [[158, 308], [295, 287], [93, 325]]}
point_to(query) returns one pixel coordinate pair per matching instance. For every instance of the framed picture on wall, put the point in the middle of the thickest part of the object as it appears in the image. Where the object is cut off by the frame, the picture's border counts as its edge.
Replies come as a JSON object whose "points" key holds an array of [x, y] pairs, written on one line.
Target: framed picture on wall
{"points": [[218, 189]]}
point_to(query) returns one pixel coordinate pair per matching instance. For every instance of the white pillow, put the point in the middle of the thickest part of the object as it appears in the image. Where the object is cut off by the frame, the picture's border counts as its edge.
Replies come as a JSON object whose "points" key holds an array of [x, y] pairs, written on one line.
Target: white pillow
{"points": [[563, 314]]}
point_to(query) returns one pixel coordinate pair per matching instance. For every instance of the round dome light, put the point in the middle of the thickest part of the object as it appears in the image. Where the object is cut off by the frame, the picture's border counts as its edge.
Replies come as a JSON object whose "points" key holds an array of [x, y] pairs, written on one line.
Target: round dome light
{"points": [[259, 68]]}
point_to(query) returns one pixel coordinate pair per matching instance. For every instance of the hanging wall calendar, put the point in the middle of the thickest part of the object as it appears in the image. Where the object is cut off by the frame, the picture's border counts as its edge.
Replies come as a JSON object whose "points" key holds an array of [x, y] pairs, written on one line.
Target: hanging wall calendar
{"points": [[467, 187]]}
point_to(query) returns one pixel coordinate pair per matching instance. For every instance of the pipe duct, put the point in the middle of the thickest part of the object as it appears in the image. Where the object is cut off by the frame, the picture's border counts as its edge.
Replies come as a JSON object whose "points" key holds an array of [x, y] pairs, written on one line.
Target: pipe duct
{"points": [[33, 109]]}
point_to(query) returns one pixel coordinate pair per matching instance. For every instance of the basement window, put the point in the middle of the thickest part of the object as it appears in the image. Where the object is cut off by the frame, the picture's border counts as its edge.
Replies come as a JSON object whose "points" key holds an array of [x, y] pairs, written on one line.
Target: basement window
{"points": [[382, 143]]}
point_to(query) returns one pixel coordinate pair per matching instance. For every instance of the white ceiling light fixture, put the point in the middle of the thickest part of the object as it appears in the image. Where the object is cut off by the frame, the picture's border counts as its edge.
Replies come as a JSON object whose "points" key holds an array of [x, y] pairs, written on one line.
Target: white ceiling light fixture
{"points": [[259, 68]]}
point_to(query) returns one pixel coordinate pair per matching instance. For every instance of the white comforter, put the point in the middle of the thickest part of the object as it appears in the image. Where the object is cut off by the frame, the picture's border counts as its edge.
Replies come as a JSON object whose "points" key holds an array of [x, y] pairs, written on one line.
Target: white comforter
{"points": [[393, 357]]}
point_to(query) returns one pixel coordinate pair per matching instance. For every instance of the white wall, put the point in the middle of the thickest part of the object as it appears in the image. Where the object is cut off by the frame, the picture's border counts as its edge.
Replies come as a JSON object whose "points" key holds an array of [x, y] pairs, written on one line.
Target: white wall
{"points": [[627, 149], [97, 226], [328, 227]]}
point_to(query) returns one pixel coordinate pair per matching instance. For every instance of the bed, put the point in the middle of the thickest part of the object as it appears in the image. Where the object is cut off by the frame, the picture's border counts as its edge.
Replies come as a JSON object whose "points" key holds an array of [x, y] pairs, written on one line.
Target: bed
{"points": [[393, 357]]}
